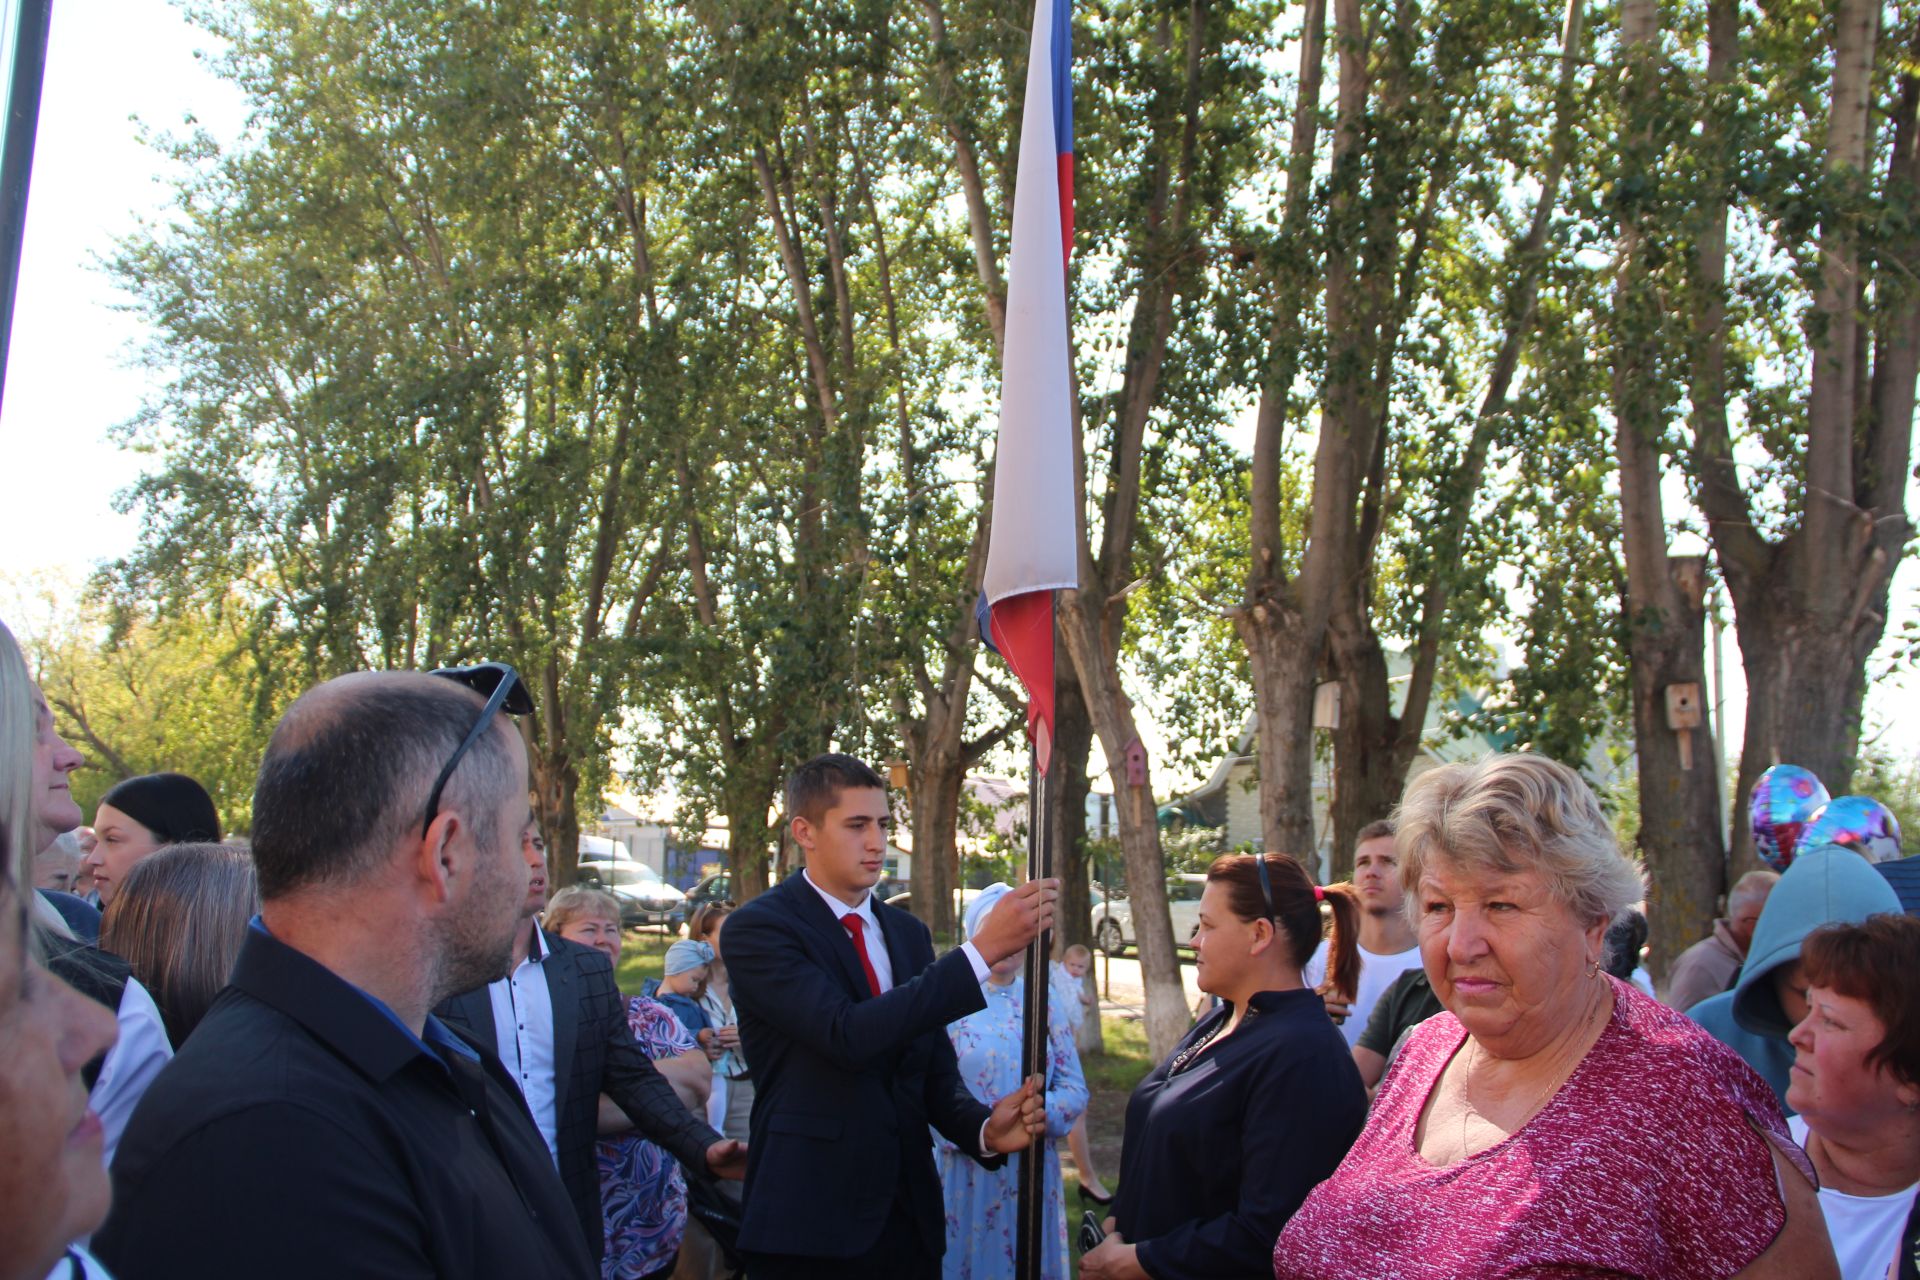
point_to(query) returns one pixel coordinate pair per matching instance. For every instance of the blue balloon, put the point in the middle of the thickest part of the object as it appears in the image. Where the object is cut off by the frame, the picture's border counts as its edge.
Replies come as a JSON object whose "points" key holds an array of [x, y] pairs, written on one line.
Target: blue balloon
{"points": [[1783, 801], [1859, 823]]}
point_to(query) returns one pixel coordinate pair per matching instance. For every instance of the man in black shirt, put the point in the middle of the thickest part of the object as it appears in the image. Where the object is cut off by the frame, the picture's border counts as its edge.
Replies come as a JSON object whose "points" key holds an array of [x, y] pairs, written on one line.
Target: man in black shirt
{"points": [[319, 1123], [1402, 1007]]}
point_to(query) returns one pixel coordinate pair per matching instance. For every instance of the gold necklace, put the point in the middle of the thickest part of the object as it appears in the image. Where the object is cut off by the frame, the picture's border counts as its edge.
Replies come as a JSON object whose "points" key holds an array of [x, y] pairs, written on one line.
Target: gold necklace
{"points": [[1554, 1081]]}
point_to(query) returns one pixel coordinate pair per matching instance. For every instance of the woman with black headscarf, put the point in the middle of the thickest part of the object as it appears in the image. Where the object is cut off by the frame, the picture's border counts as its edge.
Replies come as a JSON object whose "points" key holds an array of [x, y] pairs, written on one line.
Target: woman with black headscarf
{"points": [[142, 815]]}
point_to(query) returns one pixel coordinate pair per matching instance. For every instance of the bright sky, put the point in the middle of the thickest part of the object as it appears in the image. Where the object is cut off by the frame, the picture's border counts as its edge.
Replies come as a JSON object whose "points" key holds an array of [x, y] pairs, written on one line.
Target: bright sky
{"points": [[112, 66], [117, 65]]}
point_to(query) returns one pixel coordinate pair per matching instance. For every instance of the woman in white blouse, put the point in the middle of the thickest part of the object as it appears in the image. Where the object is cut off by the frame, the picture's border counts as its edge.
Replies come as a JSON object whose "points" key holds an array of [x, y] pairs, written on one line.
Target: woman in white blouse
{"points": [[1856, 1087]]}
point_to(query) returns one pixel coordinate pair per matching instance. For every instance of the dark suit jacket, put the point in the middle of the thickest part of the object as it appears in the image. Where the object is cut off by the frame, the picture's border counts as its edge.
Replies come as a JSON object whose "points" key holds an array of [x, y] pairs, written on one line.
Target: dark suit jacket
{"points": [[846, 1083], [303, 1132], [594, 1052]]}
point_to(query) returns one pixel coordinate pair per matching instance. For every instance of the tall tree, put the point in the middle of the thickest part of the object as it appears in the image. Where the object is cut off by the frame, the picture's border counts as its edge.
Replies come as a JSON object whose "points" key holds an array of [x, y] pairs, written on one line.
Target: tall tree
{"points": [[1412, 476], [1810, 578], [1664, 607], [1185, 76]]}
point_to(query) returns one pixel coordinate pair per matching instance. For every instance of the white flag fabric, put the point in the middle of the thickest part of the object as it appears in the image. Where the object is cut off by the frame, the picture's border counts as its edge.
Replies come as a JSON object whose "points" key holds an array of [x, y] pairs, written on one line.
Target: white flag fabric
{"points": [[1035, 540]]}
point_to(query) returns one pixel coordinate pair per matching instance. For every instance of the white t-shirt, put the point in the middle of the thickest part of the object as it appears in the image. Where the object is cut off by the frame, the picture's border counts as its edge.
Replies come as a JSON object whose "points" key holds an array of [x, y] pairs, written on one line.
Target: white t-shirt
{"points": [[132, 1064], [1865, 1229], [1377, 973]]}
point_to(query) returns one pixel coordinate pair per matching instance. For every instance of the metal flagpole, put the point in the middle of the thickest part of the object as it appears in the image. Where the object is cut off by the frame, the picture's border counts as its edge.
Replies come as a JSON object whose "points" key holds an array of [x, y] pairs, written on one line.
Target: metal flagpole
{"points": [[1030, 1225], [16, 161]]}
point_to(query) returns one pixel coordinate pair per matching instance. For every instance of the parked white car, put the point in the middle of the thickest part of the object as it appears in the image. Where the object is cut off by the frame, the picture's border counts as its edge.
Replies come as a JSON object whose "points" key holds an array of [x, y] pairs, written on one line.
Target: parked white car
{"points": [[1113, 922]]}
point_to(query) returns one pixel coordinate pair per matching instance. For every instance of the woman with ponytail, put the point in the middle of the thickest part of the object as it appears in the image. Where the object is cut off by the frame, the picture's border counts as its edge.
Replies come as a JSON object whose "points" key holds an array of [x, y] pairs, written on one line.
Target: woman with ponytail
{"points": [[1258, 1103]]}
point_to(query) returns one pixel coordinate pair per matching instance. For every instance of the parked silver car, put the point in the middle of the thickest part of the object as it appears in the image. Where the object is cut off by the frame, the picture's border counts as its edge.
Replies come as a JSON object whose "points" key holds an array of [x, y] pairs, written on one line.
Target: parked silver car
{"points": [[1113, 922], [644, 896]]}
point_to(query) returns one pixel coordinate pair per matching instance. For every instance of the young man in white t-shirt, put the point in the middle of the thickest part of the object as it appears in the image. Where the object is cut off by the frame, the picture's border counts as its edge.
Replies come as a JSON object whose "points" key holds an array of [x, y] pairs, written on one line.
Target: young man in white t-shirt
{"points": [[1387, 944]]}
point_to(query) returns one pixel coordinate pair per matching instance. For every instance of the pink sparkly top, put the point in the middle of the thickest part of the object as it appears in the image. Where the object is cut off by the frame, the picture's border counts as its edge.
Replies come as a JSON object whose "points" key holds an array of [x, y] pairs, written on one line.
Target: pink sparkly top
{"points": [[1645, 1163]]}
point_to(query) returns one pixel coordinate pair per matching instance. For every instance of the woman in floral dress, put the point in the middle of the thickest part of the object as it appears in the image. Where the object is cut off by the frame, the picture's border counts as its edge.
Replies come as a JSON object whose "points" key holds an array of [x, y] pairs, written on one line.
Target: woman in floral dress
{"points": [[982, 1204], [643, 1195]]}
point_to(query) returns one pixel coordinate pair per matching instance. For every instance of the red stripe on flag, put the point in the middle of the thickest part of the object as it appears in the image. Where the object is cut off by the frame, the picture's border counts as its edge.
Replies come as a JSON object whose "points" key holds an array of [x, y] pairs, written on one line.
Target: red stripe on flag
{"points": [[1066, 203], [1022, 629]]}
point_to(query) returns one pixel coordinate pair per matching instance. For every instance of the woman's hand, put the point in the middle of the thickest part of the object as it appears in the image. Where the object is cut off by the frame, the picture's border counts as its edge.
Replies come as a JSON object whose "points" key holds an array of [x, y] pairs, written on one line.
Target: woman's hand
{"points": [[1112, 1259]]}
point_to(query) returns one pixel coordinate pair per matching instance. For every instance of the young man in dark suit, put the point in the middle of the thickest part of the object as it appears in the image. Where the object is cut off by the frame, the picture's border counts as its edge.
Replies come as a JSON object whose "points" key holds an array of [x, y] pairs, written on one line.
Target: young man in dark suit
{"points": [[560, 1029], [843, 1010]]}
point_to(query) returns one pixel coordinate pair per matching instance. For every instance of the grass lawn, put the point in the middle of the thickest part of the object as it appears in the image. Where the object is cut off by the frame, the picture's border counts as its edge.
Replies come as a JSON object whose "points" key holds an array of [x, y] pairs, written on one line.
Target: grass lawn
{"points": [[642, 955], [1125, 1059]]}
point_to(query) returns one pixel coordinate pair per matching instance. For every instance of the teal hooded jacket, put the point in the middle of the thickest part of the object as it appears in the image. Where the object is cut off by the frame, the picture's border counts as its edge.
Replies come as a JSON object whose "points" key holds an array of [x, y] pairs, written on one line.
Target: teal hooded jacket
{"points": [[1829, 885]]}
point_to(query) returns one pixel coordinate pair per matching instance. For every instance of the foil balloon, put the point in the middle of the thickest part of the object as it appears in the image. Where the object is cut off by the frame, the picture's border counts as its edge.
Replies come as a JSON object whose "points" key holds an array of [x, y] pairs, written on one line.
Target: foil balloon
{"points": [[1859, 823], [1784, 800]]}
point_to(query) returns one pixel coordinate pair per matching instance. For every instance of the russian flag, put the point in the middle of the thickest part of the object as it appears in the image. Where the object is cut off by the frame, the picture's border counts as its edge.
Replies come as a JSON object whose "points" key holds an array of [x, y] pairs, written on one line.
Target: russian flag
{"points": [[1034, 544]]}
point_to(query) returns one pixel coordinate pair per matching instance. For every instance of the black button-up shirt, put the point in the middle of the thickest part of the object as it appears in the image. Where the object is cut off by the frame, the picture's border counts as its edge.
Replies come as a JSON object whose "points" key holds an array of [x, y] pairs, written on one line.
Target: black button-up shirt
{"points": [[1220, 1152], [304, 1131]]}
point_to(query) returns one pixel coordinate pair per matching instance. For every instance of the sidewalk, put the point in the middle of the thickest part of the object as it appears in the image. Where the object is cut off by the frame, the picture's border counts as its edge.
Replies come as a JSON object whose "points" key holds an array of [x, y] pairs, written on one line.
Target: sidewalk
{"points": [[1121, 993]]}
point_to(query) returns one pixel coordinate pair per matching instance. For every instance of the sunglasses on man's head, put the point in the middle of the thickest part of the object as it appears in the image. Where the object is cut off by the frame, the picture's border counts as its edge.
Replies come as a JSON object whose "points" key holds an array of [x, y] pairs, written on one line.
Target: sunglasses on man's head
{"points": [[504, 690]]}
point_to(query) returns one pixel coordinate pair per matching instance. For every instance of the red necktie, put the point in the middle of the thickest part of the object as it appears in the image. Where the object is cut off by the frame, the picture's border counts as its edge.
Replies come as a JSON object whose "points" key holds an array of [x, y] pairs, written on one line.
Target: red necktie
{"points": [[856, 927]]}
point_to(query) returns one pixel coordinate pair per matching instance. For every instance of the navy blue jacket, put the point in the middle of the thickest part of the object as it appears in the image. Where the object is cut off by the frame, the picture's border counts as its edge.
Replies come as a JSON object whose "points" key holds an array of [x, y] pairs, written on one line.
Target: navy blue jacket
{"points": [[846, 1082]]}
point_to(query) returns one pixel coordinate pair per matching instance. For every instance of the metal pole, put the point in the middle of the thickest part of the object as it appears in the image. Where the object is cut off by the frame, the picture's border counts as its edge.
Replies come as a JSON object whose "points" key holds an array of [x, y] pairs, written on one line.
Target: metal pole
{"points": [[1030, 1233], [1106, 902], [16, 162]]}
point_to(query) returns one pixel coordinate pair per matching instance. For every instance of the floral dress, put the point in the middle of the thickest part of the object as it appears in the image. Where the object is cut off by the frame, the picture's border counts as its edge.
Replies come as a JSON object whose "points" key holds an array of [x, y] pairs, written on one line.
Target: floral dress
{"points": [[982, 1204], [643, 1196]]}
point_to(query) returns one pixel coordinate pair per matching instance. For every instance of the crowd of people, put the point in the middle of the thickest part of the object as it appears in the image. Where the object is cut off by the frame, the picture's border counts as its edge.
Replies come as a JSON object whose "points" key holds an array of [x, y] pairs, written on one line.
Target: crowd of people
{"points": [[366, 1041]]}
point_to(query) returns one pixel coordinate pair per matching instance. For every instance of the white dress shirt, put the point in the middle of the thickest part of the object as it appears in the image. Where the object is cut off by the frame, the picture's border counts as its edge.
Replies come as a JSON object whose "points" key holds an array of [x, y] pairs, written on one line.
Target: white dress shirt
{"points": [[77, 1264], [523, 1034], [131, 1065], [876, 944], [876, 941]]}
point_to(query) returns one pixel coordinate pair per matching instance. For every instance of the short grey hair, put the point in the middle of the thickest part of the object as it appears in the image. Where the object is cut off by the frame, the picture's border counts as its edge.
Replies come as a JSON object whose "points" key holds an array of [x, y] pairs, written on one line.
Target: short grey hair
{"points": [[1752, 887], [1514, 813]]}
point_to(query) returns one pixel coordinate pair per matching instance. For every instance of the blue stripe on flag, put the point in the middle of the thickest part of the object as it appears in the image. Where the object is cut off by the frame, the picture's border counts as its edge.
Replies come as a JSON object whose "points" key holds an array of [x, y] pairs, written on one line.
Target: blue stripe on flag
{"points": [[1063, 77]]}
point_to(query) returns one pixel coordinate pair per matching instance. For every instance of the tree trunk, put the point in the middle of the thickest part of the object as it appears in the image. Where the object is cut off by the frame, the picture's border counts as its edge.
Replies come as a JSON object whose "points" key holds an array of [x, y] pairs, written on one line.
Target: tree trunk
{"points": [[748, 838], [1372, 747], [1285, 667], [556, 789], [1369, 765], [1810, 607], [935, 805], [1283, 620], [1679, 837], [1072, 743], [1679, 840], [1804, 689], [1098, 668], [1092, 619]]}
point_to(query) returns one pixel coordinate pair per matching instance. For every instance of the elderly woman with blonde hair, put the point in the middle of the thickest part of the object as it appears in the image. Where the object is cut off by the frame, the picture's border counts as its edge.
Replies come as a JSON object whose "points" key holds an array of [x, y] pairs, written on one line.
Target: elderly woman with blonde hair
{"points": [[1553, 1121]]}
